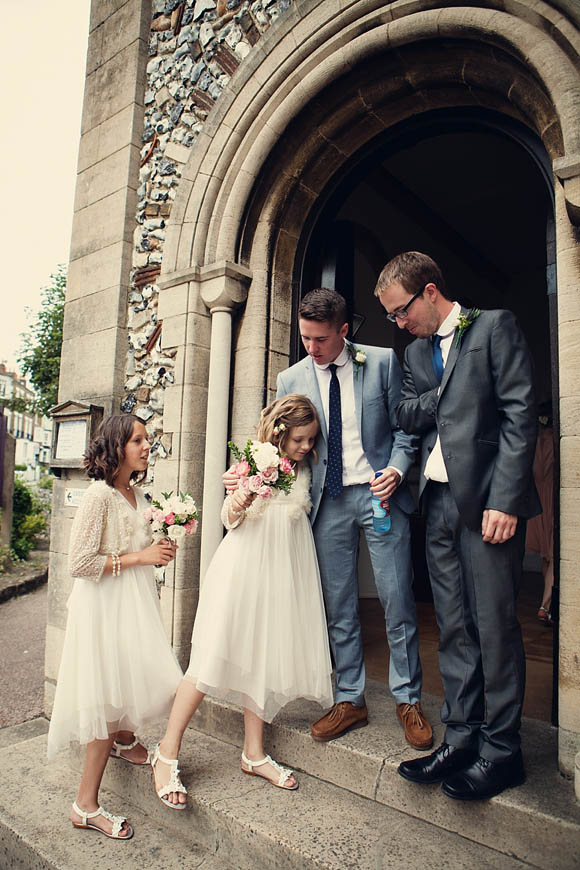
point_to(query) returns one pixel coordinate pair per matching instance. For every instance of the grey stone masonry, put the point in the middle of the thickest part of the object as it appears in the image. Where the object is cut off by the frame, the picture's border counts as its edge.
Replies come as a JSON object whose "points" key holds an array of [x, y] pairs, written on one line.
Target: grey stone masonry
{"points": [[194, 49]]}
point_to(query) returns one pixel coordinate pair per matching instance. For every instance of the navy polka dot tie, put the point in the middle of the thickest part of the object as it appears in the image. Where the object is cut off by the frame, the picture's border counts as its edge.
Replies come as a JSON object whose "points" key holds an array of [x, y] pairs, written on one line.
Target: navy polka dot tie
{"points": [[334, 470], [437, 357]]}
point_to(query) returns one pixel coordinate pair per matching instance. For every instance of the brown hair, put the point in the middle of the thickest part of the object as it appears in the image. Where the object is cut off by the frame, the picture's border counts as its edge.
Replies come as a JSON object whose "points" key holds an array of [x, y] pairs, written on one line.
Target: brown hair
{"points": [[283, 414], [106, 452], [413, 270], [324, 306]]}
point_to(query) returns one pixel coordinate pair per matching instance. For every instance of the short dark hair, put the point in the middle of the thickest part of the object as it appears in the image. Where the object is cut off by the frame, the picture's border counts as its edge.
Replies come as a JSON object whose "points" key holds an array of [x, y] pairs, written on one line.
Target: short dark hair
{"points": [[413, 270], [106, 452], [325, 306]]}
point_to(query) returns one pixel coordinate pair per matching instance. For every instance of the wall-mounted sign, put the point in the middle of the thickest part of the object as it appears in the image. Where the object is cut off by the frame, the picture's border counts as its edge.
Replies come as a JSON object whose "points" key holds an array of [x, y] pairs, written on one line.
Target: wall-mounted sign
{"points": [[71, 439], [75, 424], [72, 497]]}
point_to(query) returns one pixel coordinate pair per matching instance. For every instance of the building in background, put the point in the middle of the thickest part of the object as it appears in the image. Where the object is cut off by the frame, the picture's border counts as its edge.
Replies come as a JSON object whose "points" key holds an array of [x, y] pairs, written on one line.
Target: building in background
{"points": [[32, 432]]}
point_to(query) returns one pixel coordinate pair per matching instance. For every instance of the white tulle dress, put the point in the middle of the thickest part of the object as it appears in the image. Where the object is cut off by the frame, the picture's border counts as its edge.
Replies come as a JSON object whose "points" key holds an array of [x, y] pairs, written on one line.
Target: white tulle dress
{"points": [[118, 670], [260, 637]]}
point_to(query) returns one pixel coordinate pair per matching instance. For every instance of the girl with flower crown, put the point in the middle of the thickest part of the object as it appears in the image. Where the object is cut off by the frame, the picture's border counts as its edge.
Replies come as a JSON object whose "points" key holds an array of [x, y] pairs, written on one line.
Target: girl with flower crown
{"points": [[259, 638], [118, 671]]}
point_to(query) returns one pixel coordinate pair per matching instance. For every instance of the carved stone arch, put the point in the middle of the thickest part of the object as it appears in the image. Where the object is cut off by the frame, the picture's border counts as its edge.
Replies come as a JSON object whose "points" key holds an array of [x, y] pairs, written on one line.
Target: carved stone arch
{"points": [[308, 50]]}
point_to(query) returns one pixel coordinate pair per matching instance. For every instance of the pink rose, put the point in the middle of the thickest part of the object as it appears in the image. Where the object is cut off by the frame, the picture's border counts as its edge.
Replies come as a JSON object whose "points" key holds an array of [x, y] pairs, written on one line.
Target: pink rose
{"points": [[270, 475], [265, 492], [244, 485], [148, 514], [242, 469], [191, 527], [158, 515], [170, 519], [285, 465], [256, 482]]}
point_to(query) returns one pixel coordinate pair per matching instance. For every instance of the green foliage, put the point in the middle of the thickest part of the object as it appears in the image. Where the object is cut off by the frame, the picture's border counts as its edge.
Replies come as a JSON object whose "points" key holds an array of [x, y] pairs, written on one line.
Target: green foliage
{"points": [[20, 467], [41, 345], [28, 519], [46, 482], [5, 559]]}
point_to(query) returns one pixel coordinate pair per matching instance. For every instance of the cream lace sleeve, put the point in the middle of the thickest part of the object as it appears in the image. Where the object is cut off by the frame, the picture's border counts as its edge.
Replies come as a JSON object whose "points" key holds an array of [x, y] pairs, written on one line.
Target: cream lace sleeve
{"points": [[84, 559], [225, 515]]}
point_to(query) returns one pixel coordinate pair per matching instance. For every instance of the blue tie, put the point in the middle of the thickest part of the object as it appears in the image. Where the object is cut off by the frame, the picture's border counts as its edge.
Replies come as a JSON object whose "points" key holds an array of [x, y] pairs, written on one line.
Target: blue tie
{"points": [[334, 471], [437, 357]]}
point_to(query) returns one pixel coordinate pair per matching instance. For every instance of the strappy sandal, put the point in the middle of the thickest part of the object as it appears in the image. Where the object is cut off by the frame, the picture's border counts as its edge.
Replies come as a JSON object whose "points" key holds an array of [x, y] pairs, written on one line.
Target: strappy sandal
{"points": [[117, 748], [284, 772], [174, 785], [118, 822]]}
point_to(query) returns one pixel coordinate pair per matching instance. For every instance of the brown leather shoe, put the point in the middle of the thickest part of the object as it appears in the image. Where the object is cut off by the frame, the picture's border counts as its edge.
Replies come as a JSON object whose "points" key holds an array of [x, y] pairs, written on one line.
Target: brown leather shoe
{"points": [[341, 718], [418, 732]]}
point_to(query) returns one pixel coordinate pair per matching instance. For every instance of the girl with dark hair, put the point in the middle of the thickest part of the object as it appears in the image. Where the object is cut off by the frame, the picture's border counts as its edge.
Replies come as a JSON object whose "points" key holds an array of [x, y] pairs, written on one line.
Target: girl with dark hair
{"points": [[259, 638], [118, 671]]}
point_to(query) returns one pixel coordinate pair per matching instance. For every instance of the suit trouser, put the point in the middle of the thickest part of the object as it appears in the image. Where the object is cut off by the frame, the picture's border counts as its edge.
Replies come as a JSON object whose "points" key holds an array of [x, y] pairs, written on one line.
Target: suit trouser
{"points": [[336, 533], [481, 653]]}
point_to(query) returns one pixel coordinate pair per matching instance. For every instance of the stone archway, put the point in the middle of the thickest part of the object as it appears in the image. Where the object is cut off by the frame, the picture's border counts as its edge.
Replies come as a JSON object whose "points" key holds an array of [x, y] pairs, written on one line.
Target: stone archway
{"points": [[322, 85]]}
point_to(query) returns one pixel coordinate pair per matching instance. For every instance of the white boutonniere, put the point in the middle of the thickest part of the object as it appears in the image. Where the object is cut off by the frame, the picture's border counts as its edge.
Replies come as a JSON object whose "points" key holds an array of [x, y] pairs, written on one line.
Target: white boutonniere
{"points": [[358, 356], [464, 321]]}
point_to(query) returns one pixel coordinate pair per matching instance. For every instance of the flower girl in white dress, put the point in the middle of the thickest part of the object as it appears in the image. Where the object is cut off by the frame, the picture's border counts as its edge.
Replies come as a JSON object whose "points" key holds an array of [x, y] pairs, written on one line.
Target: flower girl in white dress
{"points": [[118, 671], [259, 638]]}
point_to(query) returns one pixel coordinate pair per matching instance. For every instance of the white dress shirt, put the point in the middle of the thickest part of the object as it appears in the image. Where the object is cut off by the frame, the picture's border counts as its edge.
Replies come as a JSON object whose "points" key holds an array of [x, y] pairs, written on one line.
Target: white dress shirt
{"points": [[355, 465], [435, 466]]}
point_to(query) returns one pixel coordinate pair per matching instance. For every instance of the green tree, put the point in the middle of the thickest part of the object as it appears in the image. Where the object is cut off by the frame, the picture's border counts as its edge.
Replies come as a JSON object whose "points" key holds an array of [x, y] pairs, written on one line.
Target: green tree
{"points": [[41, 345]]}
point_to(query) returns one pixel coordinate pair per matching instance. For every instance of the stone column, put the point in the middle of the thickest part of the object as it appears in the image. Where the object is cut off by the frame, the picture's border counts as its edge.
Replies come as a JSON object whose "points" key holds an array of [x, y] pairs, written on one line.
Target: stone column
{"points": [[567, 192], [223, 288], [94, 332]]}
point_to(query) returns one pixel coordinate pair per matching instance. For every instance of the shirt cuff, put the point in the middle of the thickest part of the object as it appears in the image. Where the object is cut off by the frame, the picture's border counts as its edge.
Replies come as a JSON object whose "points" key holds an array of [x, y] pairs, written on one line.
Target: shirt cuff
{"points": [[399, 472]]}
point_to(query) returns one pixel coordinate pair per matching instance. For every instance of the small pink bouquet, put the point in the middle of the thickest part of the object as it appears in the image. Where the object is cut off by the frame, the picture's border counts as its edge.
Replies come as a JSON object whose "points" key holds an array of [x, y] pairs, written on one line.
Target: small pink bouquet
{"points": [[173, 516], [261, 468]]}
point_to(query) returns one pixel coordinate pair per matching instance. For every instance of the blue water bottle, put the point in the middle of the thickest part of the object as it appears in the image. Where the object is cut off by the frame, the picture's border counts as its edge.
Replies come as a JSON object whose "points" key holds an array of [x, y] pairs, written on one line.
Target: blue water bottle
{"points": [[381, 512]]}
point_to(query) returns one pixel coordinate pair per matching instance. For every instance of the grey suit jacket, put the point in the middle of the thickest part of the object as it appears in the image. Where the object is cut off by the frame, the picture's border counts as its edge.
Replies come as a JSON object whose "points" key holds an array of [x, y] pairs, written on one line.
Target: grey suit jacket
{"points": [[377, 387], [484, 414]]}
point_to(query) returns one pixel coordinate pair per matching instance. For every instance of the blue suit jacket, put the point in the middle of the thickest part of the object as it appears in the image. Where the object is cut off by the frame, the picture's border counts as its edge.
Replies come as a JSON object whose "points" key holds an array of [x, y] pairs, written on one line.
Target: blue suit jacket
{"points": [[377, 388]]}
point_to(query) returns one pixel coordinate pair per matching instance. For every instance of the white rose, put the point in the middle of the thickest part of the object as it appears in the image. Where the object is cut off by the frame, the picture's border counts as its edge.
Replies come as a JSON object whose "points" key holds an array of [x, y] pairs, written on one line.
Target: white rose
{"points": [[265, 456], [360, 357], [176, 533]]}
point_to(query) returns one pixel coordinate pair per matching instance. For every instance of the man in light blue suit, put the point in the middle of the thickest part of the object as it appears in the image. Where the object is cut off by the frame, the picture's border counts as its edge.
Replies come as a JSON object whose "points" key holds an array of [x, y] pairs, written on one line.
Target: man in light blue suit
{"points": [[356, 392]]}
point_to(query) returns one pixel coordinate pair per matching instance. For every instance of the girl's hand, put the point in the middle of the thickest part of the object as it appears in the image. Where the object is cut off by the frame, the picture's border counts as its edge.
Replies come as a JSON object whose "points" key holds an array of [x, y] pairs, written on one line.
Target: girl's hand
{"points": [[158, 554], [230, 480], [241, 500]]}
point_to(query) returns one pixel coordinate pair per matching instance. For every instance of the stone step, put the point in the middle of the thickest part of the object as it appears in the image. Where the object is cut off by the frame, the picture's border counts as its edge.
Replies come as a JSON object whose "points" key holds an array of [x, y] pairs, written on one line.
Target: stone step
{"points": [[534, 822], [35, 833], [318, 827]]}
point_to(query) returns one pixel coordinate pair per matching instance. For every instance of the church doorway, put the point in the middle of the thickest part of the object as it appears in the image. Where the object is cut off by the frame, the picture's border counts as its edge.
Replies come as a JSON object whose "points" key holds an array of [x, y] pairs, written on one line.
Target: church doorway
{"points": [[473, 189]]}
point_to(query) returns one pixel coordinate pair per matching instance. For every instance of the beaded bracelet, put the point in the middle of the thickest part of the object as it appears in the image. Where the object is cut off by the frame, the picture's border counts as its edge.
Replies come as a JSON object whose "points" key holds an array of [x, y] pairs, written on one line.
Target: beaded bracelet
{"points": [[116, 564]]}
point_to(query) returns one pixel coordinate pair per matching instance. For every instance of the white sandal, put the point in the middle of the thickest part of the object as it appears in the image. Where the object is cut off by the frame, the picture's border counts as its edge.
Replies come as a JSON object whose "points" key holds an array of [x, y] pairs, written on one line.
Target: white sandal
{"points": [[117, 748], [118, 822], [174, 784], [284, 772]]}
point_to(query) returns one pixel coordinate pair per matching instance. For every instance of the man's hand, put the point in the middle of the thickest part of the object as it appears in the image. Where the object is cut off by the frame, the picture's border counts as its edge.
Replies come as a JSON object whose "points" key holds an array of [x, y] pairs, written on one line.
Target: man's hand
{"points": [[230, 480], [497, 527], [384, 486]]}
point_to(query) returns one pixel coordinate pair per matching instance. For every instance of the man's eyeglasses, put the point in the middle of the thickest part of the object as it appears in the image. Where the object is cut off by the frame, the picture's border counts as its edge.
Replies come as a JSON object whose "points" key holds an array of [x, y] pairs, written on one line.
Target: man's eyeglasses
{"points": [[403, 313]]}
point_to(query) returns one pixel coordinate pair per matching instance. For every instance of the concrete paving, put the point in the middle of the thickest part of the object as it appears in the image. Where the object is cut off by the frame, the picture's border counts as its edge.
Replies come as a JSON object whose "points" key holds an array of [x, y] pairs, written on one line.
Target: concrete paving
{"points": [[22, 635], [233, 821]]}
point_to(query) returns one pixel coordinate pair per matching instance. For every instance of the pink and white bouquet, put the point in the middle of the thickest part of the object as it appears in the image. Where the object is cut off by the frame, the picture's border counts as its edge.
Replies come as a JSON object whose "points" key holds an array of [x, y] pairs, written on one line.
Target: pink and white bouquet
{"points": [[173, 516], [261, 468]]}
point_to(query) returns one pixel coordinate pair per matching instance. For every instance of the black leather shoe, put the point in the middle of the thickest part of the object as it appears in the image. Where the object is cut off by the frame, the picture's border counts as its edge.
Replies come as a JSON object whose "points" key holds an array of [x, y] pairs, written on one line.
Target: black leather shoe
{"points": [[440, 764], [483, 779]]}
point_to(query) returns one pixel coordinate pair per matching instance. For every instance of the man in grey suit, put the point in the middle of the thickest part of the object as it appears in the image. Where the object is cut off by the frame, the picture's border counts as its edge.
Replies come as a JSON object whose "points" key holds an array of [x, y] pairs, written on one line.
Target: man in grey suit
{"points": [[358, 437], [467, 392]]}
